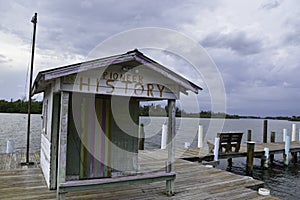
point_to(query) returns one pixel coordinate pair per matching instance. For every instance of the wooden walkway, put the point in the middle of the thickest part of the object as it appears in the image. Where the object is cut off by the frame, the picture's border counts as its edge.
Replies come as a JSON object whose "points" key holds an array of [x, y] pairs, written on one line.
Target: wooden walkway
{"points": [[193, 181]]}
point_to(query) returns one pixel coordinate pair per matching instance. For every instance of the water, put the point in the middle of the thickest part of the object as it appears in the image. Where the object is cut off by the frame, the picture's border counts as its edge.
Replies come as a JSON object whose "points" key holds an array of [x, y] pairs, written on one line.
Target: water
{"points": [[282, 181], [14, 127]]}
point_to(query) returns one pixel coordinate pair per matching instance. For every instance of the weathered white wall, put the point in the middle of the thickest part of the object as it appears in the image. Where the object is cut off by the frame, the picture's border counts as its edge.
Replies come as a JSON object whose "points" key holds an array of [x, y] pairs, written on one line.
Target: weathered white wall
{"points": [[45, 137], [45, 158]]}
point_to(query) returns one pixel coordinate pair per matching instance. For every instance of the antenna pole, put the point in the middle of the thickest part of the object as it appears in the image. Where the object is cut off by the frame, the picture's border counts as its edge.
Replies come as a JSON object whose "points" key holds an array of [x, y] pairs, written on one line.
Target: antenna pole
{"points": [[34, 21]]}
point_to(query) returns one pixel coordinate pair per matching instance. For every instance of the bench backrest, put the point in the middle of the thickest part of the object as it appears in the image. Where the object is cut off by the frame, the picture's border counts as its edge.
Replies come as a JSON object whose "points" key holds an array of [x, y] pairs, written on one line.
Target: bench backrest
{"points": [[229, 140]]}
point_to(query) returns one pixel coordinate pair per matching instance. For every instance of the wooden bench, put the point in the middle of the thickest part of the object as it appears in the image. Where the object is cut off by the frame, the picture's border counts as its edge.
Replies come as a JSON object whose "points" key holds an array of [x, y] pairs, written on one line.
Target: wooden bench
{"points": [[94, 184], [229, 142]]}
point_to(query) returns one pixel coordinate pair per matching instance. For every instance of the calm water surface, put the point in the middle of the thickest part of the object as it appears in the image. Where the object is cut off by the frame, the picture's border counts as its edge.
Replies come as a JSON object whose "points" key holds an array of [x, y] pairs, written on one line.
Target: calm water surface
{"points": [[282, 181]]}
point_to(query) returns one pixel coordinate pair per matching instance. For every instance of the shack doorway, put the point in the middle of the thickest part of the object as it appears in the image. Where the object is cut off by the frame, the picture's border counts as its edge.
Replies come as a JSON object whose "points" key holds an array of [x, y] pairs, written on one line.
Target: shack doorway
{"points": [[102, 142]]}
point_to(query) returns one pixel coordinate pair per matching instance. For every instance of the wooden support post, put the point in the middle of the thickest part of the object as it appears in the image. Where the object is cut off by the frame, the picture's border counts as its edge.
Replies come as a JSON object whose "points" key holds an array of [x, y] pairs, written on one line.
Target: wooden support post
{"points": [[142, 137], [293, 132], [287, 150], [229, 162], [171, 151], [272, 140], [295, 155], [62, 143], [164, 135], [250, 157], [200, 136], [272, 137], [265, 137], [249, 135]]}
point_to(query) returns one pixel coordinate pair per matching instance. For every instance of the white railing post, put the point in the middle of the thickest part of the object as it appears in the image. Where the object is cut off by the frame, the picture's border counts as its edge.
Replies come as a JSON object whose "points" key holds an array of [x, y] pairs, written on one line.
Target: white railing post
{"points": [[164, 133], [216, 149], [293, 132], [200, 136]]}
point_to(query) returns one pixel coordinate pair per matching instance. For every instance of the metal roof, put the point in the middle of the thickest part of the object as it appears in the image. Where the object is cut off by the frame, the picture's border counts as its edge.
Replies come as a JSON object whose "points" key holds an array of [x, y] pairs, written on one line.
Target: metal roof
{"points": [[45, 77]]}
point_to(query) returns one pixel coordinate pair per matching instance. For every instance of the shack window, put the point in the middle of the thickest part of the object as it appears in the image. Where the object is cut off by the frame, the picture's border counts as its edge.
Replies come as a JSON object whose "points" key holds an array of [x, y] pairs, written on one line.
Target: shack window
{"points": [[45, 117]]}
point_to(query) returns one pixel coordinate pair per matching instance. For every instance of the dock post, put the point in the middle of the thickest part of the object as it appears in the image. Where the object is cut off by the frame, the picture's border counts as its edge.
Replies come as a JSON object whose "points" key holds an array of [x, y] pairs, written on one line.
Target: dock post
{"points": [[250, 157], [10, 146], [293, 139], [200, 136], [272, 139], [286, 150], [284, 134], [249, 135], [171, 149], [216, 149], [293, 132], [164, 133], [265, 158], [265, 136], [142, 137]]}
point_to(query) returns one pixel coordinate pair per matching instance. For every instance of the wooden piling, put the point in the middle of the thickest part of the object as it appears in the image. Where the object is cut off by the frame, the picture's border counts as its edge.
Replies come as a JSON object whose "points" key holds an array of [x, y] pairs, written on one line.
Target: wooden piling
{"points": [[250, 157], [272, 140], [142, 137], [249, 135], [265, 136]]}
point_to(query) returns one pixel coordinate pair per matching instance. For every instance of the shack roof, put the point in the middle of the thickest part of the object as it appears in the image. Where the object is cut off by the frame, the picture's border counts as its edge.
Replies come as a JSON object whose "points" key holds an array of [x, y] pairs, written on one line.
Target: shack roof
{"points": [[44, 78]]}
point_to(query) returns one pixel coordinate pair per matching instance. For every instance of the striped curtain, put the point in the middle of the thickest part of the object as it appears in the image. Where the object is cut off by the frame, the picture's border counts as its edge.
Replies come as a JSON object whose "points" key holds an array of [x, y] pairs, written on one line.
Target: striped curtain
{"points": [[95, 134]]}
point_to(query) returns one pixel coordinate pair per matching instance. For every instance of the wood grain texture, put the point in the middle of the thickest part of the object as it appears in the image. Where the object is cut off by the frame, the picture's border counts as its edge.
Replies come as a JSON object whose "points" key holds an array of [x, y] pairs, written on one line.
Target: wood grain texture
{"points": [[193, 181]]}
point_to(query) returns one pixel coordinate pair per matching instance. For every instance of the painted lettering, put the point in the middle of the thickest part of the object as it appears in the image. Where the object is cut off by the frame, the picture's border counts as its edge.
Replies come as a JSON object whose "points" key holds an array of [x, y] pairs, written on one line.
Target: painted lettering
{"points": [[128, 77], [122, 77], [98, 85], [161, 89], [122, 84], [140, 79], [115, 76], [138, 87], [104, 75], [126, 85], [150, 90], [134, 78], [110, 85]]}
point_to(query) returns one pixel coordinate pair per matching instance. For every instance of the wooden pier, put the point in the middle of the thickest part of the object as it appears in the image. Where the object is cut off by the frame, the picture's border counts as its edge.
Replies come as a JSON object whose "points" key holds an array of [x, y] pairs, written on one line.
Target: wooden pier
{"points": [[193, 181]]}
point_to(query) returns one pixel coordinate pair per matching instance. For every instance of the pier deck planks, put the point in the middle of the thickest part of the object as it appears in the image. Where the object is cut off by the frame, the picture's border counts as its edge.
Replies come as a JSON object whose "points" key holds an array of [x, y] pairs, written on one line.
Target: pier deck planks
{"points": [[193, 181]]}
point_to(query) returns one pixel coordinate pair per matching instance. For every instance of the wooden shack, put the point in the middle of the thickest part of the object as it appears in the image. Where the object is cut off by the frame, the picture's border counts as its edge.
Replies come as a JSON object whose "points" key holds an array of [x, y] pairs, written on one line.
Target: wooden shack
{"points": [[91, 120]]}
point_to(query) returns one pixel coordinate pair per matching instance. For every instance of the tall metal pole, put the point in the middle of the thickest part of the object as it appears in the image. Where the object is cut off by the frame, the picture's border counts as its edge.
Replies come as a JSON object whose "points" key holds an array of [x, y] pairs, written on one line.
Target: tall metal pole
{"points": [[34, 21]]}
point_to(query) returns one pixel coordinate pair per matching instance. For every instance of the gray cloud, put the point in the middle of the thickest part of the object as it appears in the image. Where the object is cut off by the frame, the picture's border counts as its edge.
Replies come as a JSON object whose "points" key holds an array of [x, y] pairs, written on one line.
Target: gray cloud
{"points": [[4, 59], [255, 46], [239, 42], [271, 5]]}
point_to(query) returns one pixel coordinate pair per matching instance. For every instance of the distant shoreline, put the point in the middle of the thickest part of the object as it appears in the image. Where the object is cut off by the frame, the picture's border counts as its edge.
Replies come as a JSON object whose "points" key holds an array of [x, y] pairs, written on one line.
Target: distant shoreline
{"points": [[192, 115]]}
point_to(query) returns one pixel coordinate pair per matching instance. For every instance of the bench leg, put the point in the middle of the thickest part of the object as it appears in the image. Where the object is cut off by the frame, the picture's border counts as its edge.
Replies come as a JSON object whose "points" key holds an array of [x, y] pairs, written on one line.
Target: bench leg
{"points": [[170, 187], [229, 160], [60, 195]]}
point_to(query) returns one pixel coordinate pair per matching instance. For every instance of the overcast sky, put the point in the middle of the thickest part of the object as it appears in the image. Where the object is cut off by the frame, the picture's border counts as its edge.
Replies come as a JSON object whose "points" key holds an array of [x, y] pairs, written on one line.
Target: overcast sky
{"points": [[255, 44]]}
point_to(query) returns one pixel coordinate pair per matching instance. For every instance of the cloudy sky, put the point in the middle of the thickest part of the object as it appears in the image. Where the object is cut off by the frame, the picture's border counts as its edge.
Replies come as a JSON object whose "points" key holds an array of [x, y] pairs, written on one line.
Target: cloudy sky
{"points": [[255, 44]]}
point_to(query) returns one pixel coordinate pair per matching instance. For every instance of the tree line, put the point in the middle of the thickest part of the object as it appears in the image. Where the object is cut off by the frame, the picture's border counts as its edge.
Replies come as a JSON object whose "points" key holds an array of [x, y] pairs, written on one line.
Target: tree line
{"points": [[21, 106]]}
